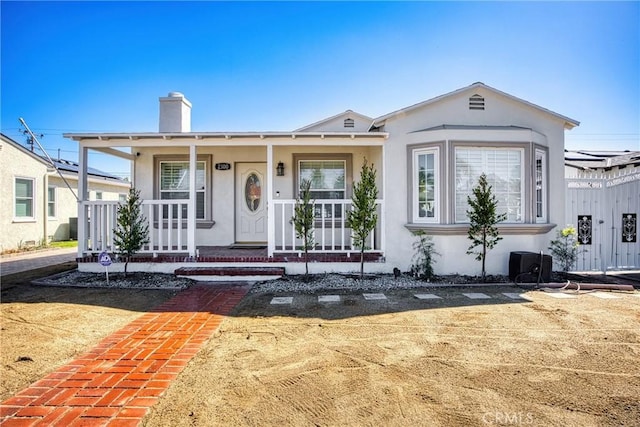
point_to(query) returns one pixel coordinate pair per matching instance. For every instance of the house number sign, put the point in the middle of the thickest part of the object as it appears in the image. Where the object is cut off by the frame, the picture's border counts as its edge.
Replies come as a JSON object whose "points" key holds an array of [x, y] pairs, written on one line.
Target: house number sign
{"points": [[223, 166]]}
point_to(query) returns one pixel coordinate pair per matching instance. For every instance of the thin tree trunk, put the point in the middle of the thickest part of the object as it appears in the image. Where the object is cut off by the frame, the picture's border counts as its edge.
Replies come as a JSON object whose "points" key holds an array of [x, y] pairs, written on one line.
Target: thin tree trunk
{"points": [[306, 263], [484, 255]]}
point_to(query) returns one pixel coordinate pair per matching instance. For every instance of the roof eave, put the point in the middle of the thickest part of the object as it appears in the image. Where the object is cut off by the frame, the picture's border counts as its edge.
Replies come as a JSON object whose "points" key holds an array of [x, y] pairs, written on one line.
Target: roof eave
{"points": [[221, 135]]}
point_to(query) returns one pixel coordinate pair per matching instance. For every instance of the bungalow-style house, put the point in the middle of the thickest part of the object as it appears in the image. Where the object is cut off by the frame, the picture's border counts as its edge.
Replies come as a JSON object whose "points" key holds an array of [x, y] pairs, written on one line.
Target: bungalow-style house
{"points": [[37, 205], [603, 203], [227, 198]]}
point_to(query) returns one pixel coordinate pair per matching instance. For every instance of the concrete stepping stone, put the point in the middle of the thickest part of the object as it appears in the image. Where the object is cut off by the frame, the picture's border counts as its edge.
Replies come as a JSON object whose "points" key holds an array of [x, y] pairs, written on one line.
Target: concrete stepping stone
{"points": [[370, 297], [476, 295], [516, 295], [427, 296], [282, 300], [328, 298], [559, 295], [603, 295]]}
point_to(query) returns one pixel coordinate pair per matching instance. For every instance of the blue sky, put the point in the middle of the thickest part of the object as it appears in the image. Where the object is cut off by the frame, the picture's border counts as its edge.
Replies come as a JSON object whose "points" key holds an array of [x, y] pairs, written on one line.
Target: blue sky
{"points": [[101, 66]]}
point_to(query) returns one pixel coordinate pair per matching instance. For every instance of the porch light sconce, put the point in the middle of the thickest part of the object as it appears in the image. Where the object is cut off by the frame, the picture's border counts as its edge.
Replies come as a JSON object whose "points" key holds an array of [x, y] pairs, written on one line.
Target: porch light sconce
{"points": [[280, 169]]}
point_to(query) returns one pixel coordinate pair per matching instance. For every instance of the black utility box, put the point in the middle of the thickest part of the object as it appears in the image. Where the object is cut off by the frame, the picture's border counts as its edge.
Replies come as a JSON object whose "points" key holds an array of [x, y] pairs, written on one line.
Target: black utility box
{"points": [[525, 267]]}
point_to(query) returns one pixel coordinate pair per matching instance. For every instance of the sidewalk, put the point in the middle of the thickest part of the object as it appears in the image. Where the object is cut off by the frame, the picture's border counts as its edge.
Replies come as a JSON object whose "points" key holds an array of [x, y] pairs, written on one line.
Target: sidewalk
{"points": [[116, 382], [12, 264]]}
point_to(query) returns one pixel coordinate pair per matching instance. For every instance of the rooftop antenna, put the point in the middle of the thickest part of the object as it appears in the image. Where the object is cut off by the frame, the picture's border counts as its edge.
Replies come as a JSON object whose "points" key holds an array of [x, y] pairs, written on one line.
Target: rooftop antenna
{"points": [[32, 138]]}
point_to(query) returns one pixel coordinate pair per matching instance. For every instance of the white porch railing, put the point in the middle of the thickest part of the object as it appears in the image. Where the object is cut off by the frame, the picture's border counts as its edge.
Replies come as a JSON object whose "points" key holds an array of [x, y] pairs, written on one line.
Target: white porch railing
{"points": [[166, 219], [331, 233]]}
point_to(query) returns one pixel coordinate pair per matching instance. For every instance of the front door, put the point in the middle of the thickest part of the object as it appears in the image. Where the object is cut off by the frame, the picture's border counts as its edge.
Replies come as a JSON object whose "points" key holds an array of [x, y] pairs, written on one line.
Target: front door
{"points": [[251, 202]]}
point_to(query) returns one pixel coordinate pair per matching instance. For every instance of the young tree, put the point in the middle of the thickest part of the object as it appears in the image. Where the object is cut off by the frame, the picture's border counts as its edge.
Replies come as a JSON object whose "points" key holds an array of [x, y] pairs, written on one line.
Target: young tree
{"points": [[482, 221], [303, 220], [132, 231], [362, 217]]}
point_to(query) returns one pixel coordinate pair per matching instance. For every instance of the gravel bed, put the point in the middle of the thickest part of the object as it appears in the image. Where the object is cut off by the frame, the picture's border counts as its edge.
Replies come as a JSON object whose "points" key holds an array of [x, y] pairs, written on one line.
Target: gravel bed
{"points": [[352, 282], [116, 280], [299, 284]]}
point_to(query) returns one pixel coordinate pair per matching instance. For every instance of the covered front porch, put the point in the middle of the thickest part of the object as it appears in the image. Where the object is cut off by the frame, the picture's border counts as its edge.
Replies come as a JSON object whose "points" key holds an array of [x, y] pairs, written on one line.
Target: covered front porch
{"points": [[230, 197]]}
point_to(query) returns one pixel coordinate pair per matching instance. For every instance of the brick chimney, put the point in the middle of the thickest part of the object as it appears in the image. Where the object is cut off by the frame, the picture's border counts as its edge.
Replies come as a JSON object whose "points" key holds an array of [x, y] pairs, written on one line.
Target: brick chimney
{"points": [[175, 113]]}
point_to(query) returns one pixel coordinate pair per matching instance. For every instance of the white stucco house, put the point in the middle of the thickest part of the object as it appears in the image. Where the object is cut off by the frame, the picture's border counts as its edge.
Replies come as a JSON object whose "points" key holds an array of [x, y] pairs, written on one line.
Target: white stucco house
{"points": [[36, 204], [208, 193]]}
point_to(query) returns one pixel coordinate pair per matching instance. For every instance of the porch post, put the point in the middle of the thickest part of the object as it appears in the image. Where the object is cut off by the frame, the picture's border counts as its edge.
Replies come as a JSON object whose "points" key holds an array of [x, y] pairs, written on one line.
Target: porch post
{"points": [[45, 211], [383, 213], [191, 216], [82, 197], [271, 218]]}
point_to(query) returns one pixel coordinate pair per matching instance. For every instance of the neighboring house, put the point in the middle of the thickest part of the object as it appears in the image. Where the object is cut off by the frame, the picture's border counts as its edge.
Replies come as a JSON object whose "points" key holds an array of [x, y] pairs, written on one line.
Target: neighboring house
{"points": [[205, 190], [603, 203], [36, 203]]}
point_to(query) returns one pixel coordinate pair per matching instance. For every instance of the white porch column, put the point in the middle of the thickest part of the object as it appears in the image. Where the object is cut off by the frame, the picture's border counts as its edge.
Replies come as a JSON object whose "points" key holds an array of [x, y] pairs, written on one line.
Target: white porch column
{"points": [[45, 211], [191, 216], [82, 197], [271, 217], [383, 211]]}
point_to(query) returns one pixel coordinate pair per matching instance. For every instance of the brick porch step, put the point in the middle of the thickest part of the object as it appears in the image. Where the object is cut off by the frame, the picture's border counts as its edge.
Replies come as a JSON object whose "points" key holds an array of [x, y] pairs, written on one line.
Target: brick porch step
{"points": [[230, 273]]}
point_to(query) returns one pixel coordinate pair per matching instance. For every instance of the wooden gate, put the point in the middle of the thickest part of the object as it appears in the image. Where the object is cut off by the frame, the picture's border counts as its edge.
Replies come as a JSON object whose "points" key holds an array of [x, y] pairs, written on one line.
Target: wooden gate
{"points": [[604, 208]]}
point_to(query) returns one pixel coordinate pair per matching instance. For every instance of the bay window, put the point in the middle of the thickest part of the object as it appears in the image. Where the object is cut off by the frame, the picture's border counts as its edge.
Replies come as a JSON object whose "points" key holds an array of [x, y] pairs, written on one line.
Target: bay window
{"points": [[540, 186], [503, 168], [425, 185]]}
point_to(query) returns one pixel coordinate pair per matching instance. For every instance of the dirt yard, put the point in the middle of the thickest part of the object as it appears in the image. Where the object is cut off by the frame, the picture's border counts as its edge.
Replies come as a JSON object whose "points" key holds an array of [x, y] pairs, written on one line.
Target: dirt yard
{"points": [[452, 362], [45, 327], [402, 361]]}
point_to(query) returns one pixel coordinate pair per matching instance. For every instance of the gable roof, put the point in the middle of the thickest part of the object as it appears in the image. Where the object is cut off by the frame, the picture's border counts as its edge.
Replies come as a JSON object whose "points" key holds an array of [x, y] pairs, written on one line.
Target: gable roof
{"points": [[61, 164], [569, 123], [345, 114]]}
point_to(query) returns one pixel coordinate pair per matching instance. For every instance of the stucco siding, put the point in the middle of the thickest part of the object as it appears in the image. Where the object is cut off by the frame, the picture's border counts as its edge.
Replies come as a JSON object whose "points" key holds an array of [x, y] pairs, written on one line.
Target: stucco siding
{"points": [[14, 163], [500, 112], [67, 204], [222, 183]]}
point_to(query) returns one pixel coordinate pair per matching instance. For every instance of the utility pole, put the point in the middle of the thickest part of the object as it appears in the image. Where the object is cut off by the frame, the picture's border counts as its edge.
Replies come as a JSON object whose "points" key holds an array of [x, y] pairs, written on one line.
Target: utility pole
{"points": [[30, 138], [33, 139]]}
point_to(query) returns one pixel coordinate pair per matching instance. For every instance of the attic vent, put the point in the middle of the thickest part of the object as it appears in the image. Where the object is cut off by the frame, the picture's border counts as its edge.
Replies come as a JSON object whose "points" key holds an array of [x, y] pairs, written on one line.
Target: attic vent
{"points": [[349, 123], [476, 102]]}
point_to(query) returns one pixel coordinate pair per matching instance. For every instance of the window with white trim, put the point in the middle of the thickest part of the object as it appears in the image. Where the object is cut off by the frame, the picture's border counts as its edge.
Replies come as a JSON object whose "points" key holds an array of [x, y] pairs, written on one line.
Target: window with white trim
{"points": [[174, 184], [328, 182], [541, 186], [24, 189], [425, 185], [327, 177], [504, 171], [51, 202]]}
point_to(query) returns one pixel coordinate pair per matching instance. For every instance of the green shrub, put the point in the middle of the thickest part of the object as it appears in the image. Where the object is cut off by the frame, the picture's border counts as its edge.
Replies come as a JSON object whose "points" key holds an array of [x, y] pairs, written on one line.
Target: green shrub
{"points": [[566, 248], [423, 259]]}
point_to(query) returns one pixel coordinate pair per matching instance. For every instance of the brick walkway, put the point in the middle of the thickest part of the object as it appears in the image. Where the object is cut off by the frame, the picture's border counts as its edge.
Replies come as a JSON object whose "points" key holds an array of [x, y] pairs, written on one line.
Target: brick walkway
{"points": [[116, 382]]}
